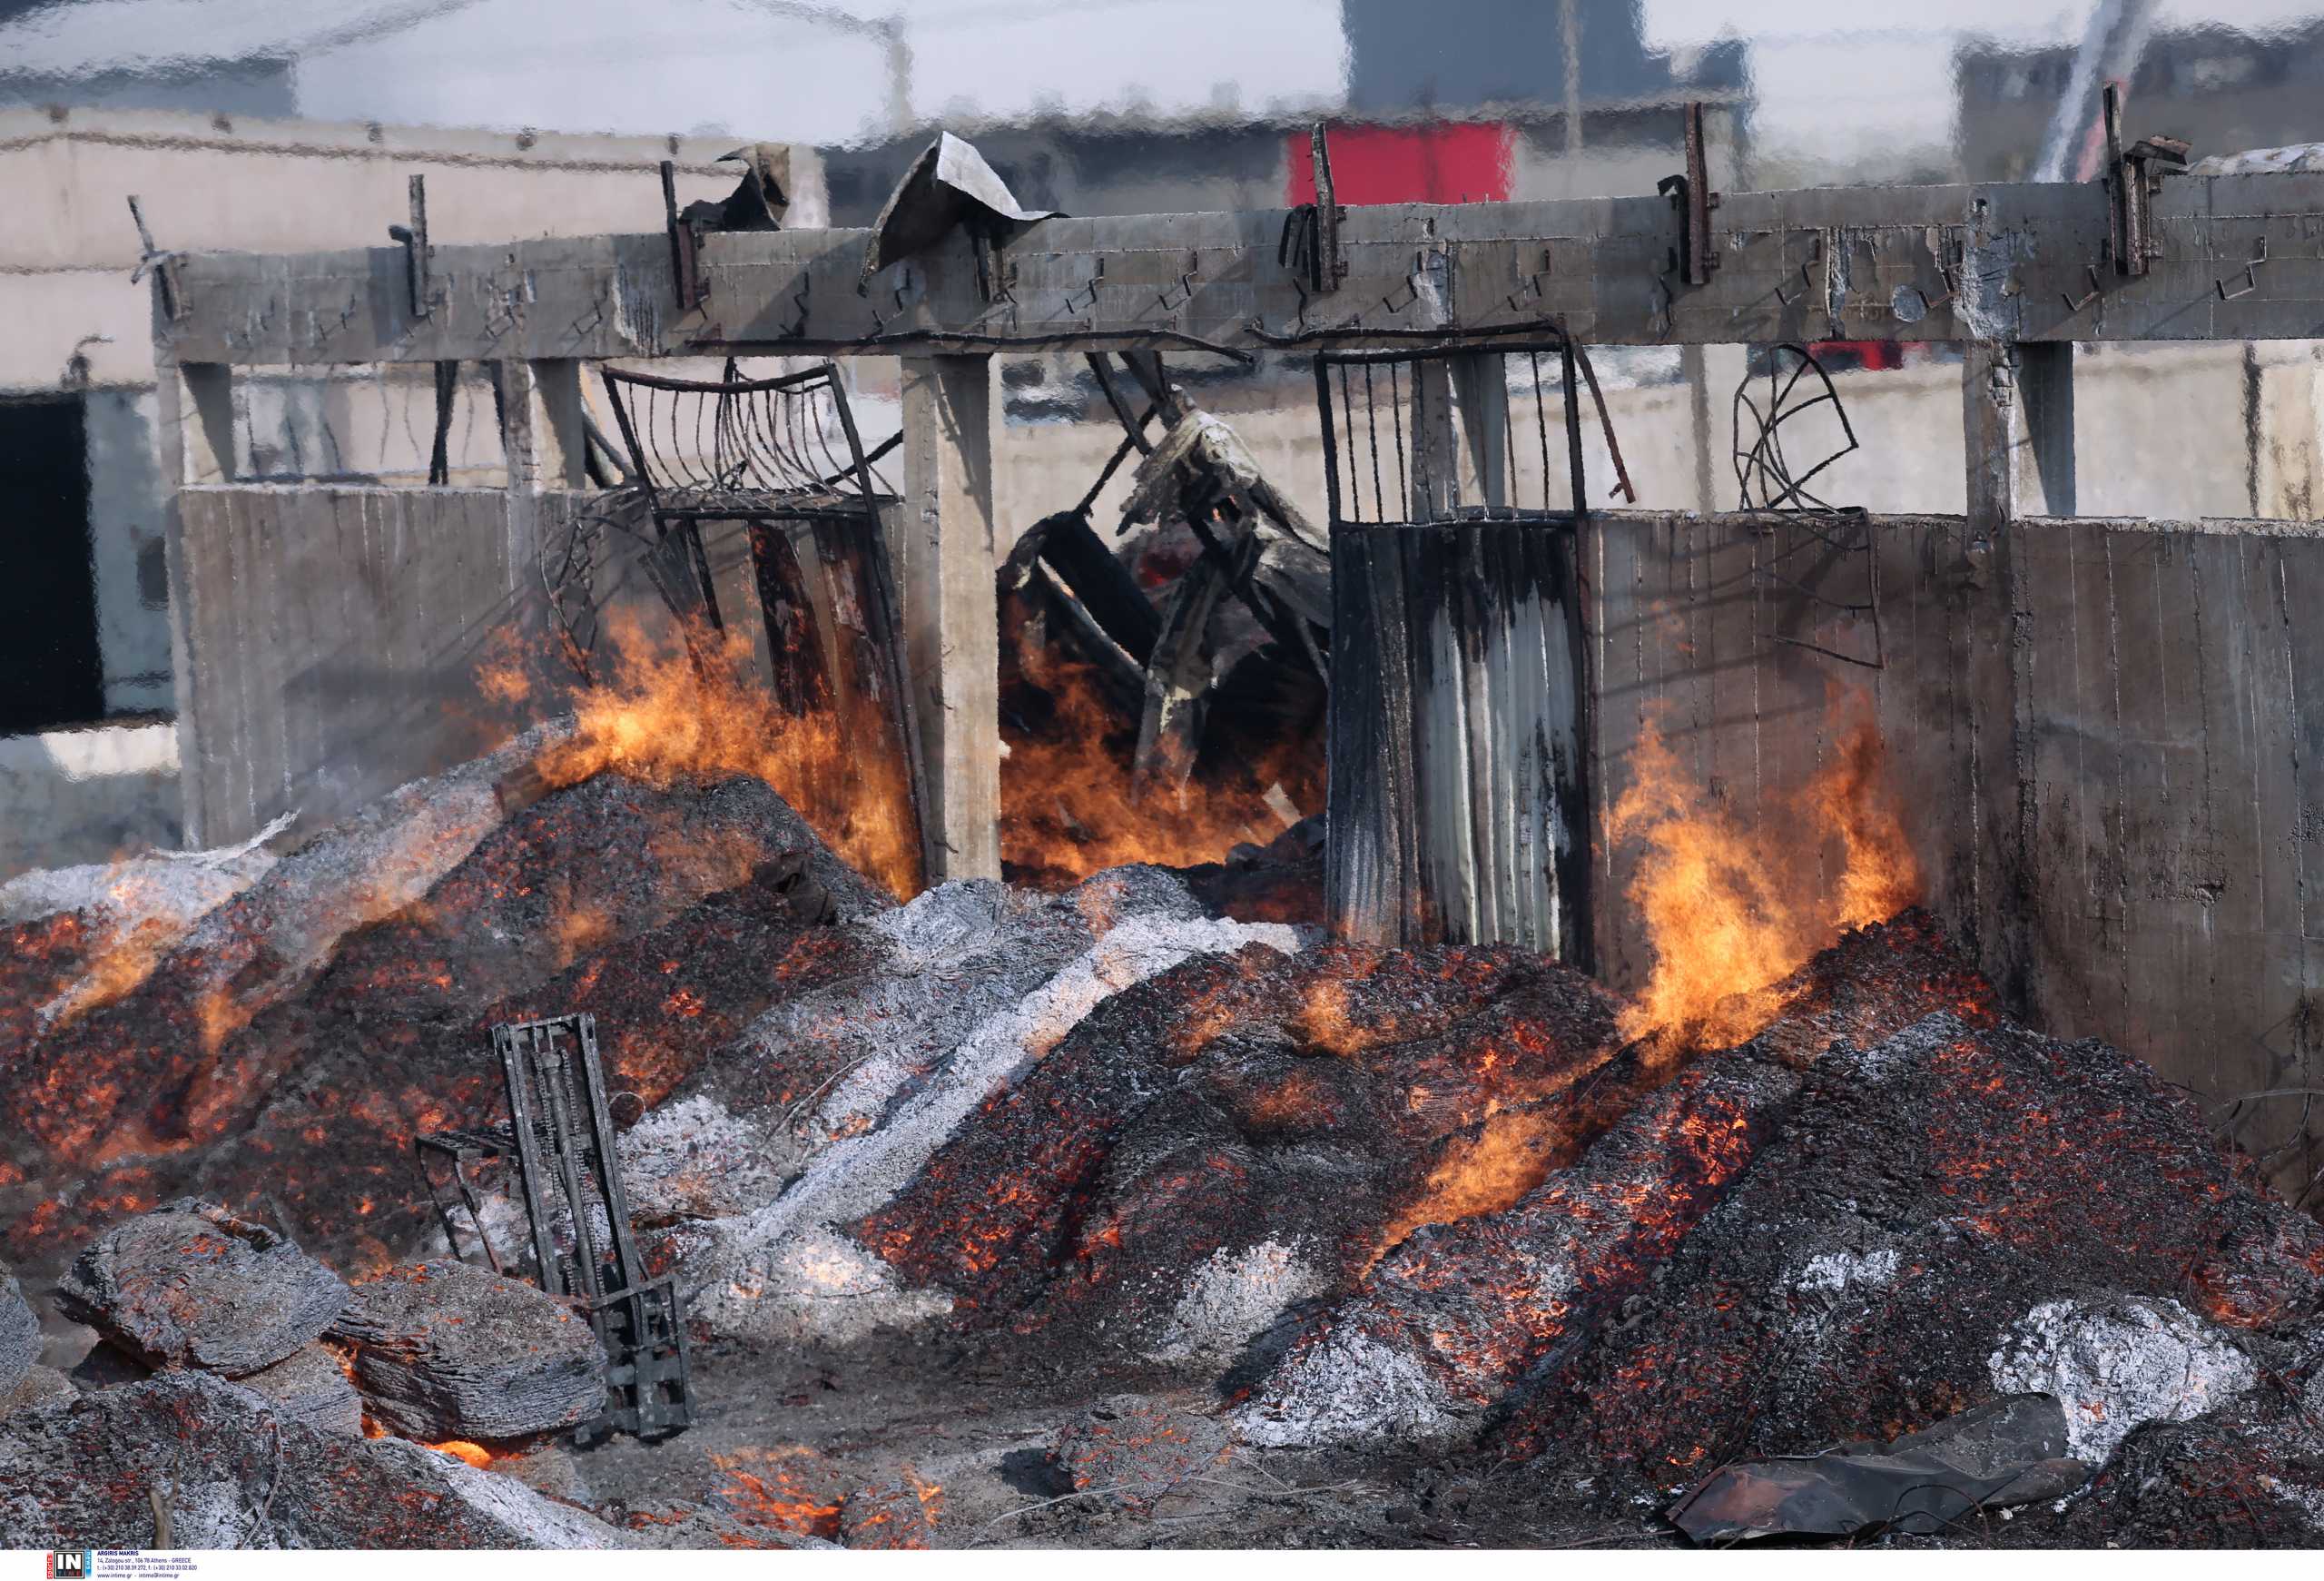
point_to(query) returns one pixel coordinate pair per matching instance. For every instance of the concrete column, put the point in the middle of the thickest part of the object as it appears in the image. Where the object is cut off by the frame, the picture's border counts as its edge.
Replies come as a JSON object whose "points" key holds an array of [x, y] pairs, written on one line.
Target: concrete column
{"points": [[194, 433], [536, 461], [1989, 436], [197, 423], [540, 424], [1694, 373], [2045, 385], [946, 555], [1459, 434], [1998, 629], [1480, 388], [561, 455]]}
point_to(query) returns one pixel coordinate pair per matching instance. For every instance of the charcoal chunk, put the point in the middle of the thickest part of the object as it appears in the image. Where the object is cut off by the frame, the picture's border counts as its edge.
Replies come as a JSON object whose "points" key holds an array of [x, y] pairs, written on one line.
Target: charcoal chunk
{"points": [[190, 1284], [446, 1350], [234, 1472], [39, 1387], [310, 1386]]}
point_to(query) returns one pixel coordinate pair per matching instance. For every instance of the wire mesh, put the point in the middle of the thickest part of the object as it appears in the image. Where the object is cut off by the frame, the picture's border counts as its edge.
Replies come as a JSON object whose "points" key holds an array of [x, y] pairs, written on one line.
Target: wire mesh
{"points": [[1819, 569]]}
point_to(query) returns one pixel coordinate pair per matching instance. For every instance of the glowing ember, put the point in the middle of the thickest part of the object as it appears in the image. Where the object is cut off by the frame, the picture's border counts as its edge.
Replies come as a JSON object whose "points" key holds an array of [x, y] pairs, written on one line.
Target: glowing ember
{"points": [[784, 1487], [476, 1455]]}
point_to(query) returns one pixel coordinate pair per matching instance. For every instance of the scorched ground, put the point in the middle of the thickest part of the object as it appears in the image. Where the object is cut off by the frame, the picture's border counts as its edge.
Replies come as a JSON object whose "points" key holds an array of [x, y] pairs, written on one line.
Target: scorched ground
{"points": [[1099, 1216]]}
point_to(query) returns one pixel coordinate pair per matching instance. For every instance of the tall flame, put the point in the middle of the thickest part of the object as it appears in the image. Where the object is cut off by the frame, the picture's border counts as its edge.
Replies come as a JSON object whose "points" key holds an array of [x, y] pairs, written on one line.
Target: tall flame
{"points": [[664, 716], [1730, 912]]}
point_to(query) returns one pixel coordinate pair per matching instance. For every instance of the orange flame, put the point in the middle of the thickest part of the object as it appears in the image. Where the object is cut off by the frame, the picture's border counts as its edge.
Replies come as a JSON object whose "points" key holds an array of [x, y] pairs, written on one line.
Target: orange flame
{"points": [[1070, 809], [1510, 1155], [1729, 912], [664, 717]]}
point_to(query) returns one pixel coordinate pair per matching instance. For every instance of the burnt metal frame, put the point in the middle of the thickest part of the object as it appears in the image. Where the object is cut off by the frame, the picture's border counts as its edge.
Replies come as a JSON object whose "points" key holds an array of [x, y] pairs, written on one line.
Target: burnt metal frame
{"points": [[560, 1132], [756, 473], [1570, 384], [558, 1113], [1840, 530]]}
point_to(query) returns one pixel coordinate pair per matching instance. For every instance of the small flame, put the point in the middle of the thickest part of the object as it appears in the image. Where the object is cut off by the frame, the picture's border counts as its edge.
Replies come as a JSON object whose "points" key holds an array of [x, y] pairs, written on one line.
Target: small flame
{"points": [[781, 1488], [1727, 913]]}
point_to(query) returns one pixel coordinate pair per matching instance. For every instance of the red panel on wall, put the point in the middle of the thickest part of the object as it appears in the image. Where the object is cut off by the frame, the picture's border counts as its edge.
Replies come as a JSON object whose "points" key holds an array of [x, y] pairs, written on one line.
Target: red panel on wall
{"points": [[1465, 163]]}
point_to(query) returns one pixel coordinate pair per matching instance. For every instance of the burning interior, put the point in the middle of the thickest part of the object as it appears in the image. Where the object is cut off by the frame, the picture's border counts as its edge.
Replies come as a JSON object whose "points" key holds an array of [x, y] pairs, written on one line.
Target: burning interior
{"points": [[1327, 1046]]}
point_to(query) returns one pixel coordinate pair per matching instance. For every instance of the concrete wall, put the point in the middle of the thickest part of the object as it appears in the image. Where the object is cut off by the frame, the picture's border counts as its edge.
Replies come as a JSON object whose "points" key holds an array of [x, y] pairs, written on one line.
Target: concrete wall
{"points": [[73, 321], [2106, 735], [337, 633], [333, 636], [87, 796], [208, 182]]}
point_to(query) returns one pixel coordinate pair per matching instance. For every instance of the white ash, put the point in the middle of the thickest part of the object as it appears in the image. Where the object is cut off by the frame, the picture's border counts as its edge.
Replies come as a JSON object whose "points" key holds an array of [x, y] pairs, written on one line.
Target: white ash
{"points": [[856, 1174], [19, 1335], [2119, 1366], [695, 1160], [819, 1285], [499, 1215], [1231, 1297], [2308, 1501], [1838, 1272], [957, 956], [171, 887], [1349, 1388], [541, 1522]]}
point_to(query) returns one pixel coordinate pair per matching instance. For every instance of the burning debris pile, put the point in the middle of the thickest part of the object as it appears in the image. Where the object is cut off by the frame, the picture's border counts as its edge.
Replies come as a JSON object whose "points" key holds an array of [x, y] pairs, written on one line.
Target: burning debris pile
{"points": [[1225, 1217]]}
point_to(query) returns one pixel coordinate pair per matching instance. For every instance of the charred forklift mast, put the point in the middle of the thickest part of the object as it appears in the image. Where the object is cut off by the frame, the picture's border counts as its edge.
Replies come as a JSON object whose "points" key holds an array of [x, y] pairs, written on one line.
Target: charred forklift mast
{"points": [[561, 1135]]}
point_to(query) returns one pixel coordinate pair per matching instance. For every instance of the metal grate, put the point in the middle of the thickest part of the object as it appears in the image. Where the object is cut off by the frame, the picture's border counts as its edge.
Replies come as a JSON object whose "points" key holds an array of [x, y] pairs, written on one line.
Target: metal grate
{"points": [[1816, 567], [1455, 435], [744, 447], [725, 449]]}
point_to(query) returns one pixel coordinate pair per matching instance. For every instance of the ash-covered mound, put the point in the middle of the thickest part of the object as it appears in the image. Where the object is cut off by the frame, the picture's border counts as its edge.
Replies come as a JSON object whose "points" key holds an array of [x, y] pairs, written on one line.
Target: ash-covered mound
{"points": [[281, 1057], [982, 986], [1240, 1133], [1945, 1215]]}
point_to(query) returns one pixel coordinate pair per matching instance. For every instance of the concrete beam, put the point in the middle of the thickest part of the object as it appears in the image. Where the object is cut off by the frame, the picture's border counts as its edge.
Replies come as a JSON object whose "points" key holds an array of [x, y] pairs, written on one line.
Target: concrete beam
{"points": [[946, 557], [2000, 262]]}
